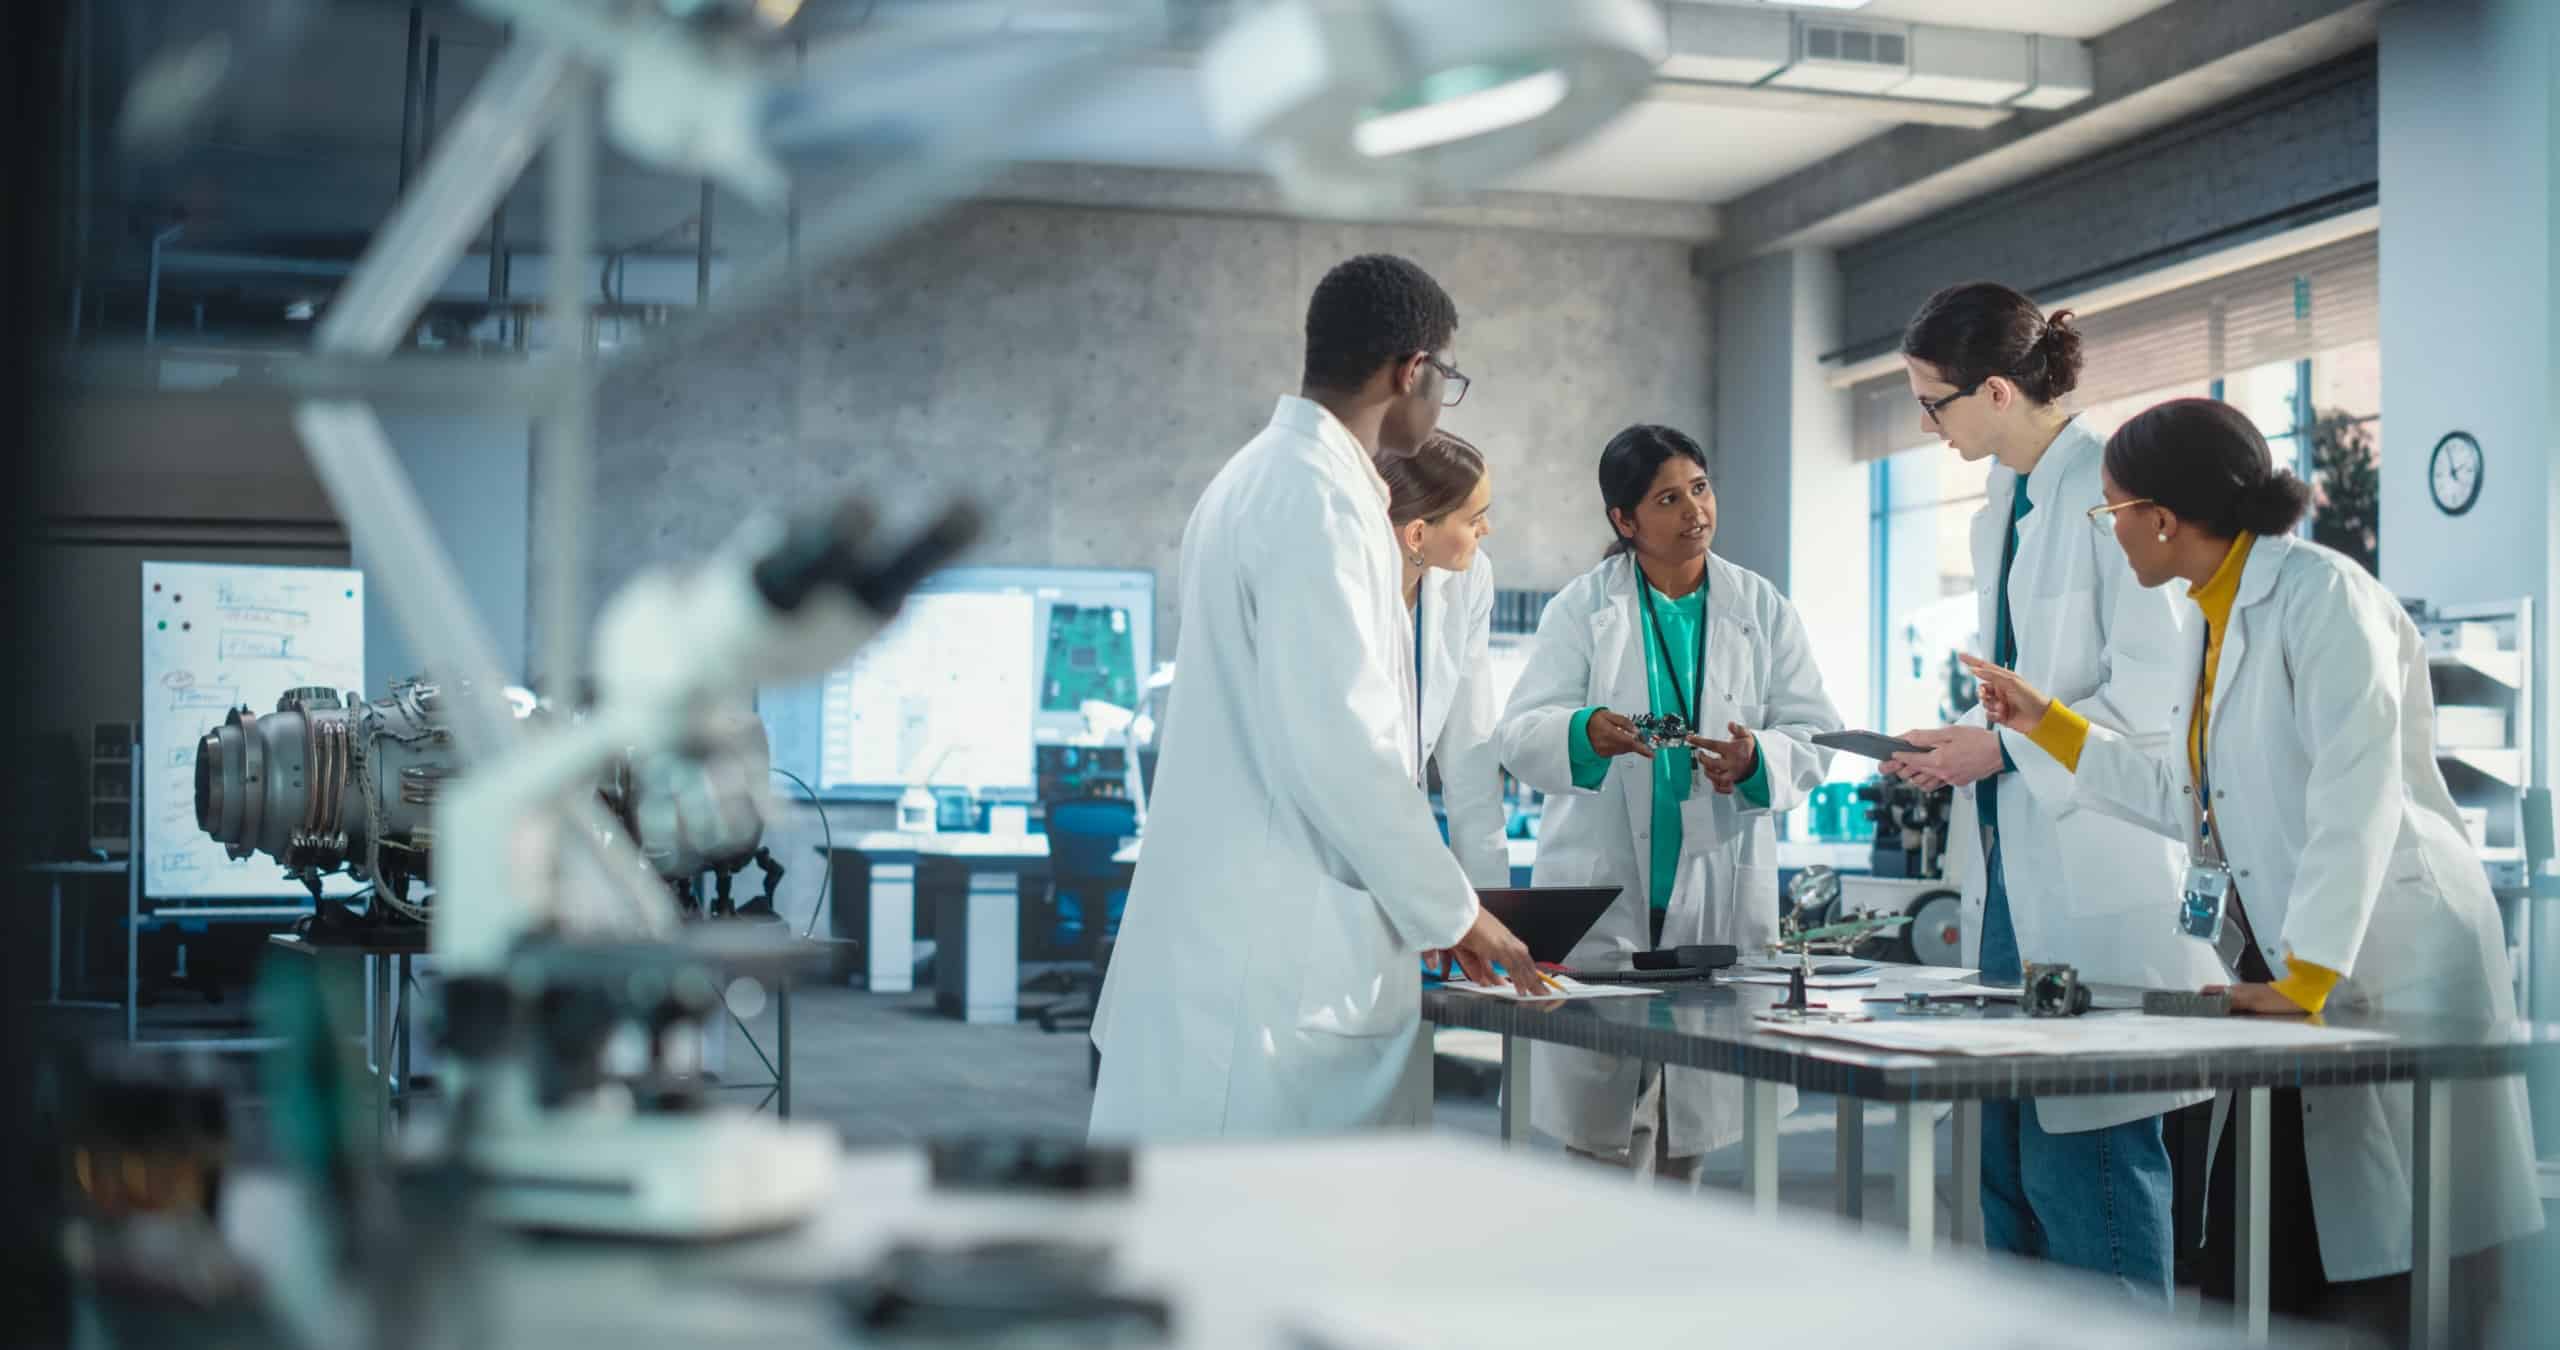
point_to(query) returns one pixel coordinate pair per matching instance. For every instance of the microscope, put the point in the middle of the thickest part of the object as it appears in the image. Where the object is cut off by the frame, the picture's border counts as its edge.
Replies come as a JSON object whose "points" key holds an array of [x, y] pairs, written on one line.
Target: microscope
{"points": [[569, 1037]]}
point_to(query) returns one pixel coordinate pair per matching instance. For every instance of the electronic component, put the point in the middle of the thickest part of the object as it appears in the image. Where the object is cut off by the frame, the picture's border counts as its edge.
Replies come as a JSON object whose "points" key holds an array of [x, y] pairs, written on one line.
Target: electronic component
{"points": [[1003, 1291], [2053, 991], [1050, 1166], [2185, 1003], [1660, 729]]}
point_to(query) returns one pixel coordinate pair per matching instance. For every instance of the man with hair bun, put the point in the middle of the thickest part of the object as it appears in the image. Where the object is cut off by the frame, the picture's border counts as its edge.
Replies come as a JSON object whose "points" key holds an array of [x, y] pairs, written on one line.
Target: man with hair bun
{"points": [[2081, 1181]]}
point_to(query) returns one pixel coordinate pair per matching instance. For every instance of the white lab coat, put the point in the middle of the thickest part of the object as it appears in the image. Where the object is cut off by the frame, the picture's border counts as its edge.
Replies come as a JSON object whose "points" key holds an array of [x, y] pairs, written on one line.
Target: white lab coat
{"points": [[1760, 673], [1265, 981], [1458, 716], [2084, 889], [2347, 851]]}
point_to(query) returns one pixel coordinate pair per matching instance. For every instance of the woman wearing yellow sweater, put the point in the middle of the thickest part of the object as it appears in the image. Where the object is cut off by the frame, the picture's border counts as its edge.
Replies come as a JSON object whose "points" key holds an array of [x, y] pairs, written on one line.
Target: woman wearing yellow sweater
{"points": [[2309, 777]]}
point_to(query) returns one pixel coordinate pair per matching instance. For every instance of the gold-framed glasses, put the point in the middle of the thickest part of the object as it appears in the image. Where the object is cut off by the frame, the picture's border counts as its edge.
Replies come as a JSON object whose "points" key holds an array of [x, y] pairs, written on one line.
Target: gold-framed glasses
{"points": [[2103, 516]]}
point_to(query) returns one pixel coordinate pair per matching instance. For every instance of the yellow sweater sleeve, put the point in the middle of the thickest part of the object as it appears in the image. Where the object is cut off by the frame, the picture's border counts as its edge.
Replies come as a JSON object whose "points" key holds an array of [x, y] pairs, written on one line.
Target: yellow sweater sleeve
{"points": [[2306, 984], [2061, 734]]}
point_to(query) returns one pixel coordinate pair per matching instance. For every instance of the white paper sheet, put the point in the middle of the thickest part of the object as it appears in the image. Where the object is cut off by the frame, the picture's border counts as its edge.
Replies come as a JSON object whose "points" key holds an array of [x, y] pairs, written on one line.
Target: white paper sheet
{"points": [[1930, 972], [1810, 981], [2101, 1033], [1572, 989], [1955, 989]]}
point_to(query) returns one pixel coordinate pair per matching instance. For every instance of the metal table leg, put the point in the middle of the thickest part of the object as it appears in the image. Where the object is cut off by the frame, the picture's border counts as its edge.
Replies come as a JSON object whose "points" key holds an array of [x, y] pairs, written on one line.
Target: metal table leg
{"points": [[400, 1032], [1968, 1196], [1515, 1091], [53, 932], [1760, 1144], [2249, 1210], [782, 1047], [2431, 1213], [378, 1040], [1915, 1173], [1849, 1156]]}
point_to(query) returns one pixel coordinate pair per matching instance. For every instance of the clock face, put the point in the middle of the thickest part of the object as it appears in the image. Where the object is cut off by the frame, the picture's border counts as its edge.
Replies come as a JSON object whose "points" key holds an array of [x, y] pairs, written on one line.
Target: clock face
{"points": [[2453, 473]]}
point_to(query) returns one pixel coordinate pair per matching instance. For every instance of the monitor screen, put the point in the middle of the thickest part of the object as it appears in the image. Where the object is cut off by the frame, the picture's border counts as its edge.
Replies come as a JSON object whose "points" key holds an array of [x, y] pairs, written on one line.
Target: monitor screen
{"points": [[981, 665]]}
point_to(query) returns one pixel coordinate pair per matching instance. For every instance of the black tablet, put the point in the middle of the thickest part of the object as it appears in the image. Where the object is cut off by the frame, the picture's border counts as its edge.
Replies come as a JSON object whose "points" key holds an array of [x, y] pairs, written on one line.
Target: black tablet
{"points": [[1550, 919], [1867, 743]]}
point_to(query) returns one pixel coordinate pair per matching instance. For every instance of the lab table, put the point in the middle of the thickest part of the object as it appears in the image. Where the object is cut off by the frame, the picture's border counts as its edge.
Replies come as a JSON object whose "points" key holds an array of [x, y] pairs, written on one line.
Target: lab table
{"points": [[1712, 1027], [1353, 1243]]}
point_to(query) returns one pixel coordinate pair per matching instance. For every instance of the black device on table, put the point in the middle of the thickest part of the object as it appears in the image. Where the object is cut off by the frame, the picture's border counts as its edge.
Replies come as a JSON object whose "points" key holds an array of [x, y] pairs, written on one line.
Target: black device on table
{"points": [[1666, 965]]}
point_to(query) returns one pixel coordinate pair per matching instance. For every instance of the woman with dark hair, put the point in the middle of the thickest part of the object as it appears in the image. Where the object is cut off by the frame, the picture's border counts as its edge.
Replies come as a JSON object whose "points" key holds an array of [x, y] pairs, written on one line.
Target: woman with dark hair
{"points": [[1663, 626], [2300, 770], [1440, 501], [2081, 1181]]}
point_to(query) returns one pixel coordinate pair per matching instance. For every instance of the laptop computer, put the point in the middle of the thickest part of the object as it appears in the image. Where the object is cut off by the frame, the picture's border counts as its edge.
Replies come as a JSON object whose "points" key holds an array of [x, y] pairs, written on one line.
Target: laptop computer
{"points": [[1549, 919]]}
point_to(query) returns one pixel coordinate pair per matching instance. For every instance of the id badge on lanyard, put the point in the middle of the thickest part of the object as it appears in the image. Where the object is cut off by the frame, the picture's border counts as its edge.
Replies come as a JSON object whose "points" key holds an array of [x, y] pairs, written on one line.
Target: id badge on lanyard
{"points": [[2206, 900]]}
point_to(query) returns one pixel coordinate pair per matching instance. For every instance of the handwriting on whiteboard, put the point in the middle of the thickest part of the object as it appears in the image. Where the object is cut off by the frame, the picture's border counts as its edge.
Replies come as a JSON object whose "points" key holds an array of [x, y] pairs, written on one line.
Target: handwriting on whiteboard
{"points": [[217, 637]]}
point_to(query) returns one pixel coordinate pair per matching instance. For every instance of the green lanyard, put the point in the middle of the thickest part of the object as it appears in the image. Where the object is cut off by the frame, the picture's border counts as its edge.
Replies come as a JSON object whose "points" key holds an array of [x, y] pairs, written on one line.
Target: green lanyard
{"points": [[1690, 697]]}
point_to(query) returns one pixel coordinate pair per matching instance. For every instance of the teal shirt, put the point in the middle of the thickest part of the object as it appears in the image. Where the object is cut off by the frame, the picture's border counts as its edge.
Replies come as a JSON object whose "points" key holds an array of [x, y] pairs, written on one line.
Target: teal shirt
{"points": [[1672, 775]]}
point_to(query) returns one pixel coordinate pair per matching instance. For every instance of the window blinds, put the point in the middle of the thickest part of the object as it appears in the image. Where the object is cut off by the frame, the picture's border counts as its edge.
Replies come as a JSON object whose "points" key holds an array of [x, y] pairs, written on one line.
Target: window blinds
{"points": [[2283, 310]]}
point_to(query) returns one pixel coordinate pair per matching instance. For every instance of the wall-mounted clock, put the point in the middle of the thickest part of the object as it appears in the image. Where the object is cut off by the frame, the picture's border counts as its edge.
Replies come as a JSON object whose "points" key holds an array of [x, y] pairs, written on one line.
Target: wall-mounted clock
{"points": [[2453, 473]]}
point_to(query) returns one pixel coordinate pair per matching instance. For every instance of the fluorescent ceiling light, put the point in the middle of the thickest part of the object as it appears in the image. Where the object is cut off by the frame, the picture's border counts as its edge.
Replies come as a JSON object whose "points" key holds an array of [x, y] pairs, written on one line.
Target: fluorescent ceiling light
{"points": [[1361, 106], [1456, 105], [1824, 4]]}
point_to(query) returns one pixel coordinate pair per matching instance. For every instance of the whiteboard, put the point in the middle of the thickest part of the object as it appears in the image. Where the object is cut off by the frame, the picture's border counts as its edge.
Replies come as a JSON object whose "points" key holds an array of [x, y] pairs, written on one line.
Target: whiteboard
{"points": [[216, 636]]}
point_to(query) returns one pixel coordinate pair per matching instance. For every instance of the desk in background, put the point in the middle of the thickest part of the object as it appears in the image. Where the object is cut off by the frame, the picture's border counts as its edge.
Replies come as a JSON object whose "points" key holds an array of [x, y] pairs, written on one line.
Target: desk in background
{"points": [[977, 882]]}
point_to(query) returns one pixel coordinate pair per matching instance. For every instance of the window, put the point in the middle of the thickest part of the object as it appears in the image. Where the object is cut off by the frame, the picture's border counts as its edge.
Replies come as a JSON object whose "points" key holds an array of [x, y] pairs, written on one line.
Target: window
{"points": [[1924, 502]]}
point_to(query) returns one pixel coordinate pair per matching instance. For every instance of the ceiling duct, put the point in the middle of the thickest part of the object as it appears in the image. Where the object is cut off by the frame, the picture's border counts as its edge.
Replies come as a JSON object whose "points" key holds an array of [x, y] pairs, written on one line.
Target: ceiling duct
{"points": [[1914, 63]]}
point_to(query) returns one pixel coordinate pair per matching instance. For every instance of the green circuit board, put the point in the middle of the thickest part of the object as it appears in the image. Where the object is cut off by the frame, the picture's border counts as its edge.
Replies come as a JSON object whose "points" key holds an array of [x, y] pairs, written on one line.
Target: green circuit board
{"points": [[1090, 657]]}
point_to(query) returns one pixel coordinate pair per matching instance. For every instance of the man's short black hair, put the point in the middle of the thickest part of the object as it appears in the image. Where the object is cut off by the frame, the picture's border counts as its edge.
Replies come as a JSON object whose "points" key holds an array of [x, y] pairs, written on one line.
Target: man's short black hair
{"points": [[1372, 311]]}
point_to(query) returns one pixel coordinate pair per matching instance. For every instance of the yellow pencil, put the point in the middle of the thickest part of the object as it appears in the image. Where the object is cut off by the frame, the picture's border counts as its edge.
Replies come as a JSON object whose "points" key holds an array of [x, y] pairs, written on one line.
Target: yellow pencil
{"points": [[1551, 983]]}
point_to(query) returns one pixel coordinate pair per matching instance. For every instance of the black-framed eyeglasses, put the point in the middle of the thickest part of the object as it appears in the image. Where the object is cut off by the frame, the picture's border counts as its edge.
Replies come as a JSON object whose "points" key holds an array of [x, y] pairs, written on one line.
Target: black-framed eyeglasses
{"points": [[1456, 391], [1935, 406]]}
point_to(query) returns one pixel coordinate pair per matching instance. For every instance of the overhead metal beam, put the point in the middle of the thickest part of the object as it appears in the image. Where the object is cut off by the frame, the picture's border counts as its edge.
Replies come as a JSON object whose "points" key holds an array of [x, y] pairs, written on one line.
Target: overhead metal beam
{"points": [[2177, 60]]}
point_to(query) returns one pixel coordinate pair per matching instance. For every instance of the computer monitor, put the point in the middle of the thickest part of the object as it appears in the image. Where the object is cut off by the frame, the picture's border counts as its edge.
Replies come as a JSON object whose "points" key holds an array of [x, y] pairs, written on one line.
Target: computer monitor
{"points": [[981, 665]]}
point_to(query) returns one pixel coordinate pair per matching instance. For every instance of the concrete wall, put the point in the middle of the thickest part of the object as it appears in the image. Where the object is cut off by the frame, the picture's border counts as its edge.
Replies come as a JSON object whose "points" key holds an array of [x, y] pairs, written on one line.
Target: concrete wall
{"points": [[1083, 372], [2278, 158], [2469, 334], [1794, 503], [472, 475]]}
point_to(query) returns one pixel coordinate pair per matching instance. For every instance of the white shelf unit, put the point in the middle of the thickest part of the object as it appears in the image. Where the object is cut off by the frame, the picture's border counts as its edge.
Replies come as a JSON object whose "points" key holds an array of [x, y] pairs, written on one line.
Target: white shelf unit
{"points": [[2480, 658]]}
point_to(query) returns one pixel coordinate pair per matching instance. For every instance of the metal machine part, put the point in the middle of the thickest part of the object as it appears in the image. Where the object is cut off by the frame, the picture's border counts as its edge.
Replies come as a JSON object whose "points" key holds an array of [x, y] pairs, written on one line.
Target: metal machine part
{"points": [[1004, 1291], [324, 783], [1813, 894], [1911, 827], [1030, 1164], [2053, 991], [2185, 1003]]}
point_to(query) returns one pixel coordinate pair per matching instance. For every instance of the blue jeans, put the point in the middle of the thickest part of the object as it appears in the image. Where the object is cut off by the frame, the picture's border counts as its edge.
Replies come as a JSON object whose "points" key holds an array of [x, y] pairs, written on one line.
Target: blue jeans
{"points": [[2097, 1200]]}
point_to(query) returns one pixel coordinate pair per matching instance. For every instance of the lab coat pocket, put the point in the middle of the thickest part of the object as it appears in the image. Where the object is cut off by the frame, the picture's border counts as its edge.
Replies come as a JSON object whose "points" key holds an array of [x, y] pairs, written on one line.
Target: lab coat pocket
{"points": [[1354, 978], [2058, 640]]}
